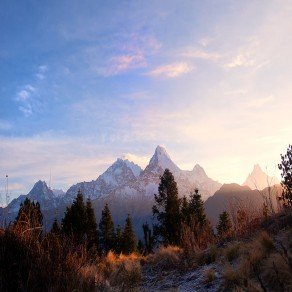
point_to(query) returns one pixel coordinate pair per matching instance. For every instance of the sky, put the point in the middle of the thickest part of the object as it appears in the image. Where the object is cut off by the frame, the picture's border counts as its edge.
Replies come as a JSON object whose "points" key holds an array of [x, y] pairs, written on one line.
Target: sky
{"points": [[85, 82]]}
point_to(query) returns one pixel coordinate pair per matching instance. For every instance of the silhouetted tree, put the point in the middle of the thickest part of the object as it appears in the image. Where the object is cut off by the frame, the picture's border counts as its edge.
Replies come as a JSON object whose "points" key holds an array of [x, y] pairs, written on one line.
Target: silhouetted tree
{"points": [[148, 238], [91, 226], [167, 210], [196, 210], [129, 237], [107, 230], [74, 222], [195, 226], [56, 229], [224, 226], [286, 167], [185, 216], [29, 216]]}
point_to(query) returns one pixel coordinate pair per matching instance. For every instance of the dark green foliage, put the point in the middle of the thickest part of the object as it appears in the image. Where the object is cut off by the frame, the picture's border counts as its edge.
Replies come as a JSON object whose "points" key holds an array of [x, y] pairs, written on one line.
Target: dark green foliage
{"points": [[224, 226], [75, 220], [195, 228], [29, 216], [167, 210], [91, 226], [129, 238], [148, 238], [286, 168], [56, 227], [106, 230], [185, 216], [196, 210]]}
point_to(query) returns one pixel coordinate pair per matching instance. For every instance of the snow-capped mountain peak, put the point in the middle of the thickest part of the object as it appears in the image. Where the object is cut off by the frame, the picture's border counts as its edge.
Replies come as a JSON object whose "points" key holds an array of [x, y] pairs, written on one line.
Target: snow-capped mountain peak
{"points": [[161, 160]]}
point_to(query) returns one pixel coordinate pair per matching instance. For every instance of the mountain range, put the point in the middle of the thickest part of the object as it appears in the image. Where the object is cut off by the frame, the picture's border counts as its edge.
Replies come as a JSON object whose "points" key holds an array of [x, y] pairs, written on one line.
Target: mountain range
{"points": [[128, 189]]}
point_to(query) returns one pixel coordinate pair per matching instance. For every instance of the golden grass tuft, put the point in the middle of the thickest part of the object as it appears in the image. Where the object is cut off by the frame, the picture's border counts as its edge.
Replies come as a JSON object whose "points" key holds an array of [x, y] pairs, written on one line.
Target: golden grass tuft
{"points": [[166, 258]]}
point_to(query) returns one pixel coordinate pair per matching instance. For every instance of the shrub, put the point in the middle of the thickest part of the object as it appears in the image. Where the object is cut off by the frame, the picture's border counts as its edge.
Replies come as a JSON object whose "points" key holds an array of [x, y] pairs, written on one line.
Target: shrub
{"points": [[166, 257]]}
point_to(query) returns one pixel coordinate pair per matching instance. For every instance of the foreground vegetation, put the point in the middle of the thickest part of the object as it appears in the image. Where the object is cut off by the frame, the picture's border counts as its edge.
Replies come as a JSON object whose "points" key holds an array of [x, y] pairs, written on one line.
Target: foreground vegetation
{"points": [[248, 251]]}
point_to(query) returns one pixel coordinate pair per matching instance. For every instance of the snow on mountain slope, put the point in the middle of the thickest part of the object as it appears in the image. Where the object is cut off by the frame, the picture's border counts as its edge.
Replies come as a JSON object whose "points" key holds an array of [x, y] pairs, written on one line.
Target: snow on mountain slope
{"points": [[124, 178], [121, 177], [258, 179], [40, 193]]}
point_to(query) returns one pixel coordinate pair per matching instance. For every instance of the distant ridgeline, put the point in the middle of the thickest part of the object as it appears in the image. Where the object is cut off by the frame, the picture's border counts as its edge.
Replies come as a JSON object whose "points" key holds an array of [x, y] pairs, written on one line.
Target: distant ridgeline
{"points": [[128, 189]]}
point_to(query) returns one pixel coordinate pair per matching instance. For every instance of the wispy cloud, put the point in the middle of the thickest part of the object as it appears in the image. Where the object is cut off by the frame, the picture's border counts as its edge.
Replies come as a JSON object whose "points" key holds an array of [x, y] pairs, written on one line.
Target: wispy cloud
{"points": [[200, 54], [41, 72], [171, 70], [124, 63], [25, 97]]}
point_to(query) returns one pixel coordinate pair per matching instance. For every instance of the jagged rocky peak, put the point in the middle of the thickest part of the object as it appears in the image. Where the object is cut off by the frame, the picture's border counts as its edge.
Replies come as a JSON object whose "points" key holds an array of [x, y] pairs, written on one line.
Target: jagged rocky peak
{"points": [[40, 191], [258, 179], [121, 171], [162, 160]]}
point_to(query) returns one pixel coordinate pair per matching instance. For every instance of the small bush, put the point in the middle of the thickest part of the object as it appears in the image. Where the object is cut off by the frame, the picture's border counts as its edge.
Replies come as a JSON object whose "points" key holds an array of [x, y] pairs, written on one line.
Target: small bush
{"points": [[166, 258]]}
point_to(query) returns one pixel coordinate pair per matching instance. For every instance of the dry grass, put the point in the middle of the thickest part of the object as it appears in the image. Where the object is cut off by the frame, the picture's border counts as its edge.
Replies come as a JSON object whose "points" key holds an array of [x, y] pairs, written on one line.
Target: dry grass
{"points": [[233, 251], [277, 273], [53, 263], [121, 270], [166, 258]]}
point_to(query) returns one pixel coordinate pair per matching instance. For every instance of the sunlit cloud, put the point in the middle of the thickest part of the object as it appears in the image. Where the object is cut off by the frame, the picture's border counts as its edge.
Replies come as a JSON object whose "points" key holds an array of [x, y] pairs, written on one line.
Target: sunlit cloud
{"points": [[142, 161], [172, 70], [200, 54], [124, 63]]}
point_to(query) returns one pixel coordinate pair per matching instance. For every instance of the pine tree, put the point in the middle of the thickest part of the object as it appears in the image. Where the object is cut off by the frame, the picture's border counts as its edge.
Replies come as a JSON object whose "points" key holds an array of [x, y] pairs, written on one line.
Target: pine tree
{"points": [[148, 238], [91, 226], [195, 226], [286, 167], [129, 237], [196, 209], [167, 210], [185, 216], [29, 216], [107, 230], [75, 220], [224, 226], [55, 227]]}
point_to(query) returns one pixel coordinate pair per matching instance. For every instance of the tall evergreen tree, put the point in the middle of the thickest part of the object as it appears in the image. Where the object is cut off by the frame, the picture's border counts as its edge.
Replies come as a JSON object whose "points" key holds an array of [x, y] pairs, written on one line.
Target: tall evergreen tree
{"points": [[148, 238], [224, 226], [74, 222], [167, 210], [286, 167], [129, 237], [107, 230], [196, 209], [29, 216], [91, 226], [185, 216], [55, 227]]}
